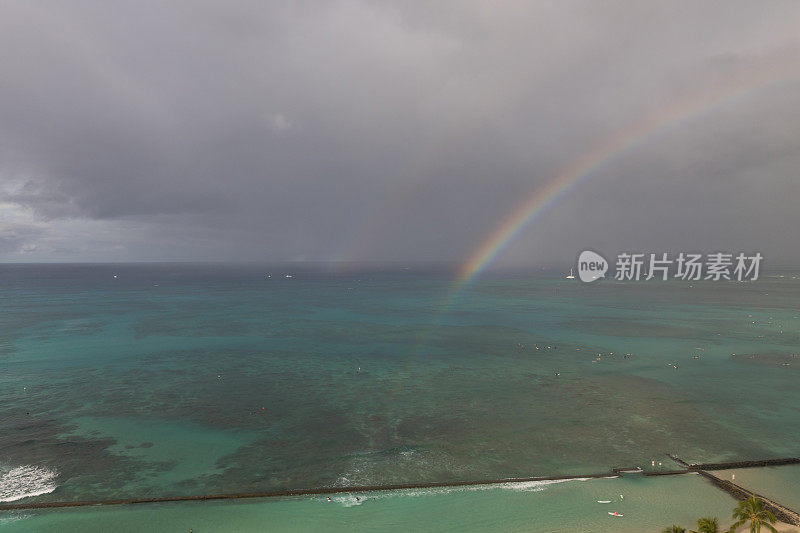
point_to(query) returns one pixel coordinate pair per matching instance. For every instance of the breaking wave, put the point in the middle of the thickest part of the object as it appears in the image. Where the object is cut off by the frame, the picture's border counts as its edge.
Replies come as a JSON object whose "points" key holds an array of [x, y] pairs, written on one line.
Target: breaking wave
{"points": [[25, 481], [351, 499]]}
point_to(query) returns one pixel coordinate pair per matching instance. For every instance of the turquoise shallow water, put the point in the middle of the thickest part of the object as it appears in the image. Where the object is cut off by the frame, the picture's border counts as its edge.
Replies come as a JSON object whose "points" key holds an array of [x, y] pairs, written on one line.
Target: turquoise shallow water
{"points": [[187, 379]]}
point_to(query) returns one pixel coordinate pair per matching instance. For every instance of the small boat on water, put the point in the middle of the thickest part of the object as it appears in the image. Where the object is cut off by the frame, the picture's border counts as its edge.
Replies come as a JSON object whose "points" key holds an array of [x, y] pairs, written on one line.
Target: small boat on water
{"points": [[615, 513], [571, 275], [628, 471]]}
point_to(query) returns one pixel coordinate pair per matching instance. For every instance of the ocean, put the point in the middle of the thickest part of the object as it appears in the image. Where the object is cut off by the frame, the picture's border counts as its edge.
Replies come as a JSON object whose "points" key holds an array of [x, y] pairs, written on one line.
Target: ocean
{"points": [[152, 380]]}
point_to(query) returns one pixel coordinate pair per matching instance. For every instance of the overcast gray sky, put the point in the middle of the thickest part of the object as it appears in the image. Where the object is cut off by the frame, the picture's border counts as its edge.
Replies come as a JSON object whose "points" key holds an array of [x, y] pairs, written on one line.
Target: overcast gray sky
{"points": [[382, 130]]}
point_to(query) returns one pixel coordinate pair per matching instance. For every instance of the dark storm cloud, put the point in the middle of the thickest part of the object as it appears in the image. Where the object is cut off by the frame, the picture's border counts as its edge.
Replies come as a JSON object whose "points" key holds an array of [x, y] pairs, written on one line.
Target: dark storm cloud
{"points": [[385, 130]]}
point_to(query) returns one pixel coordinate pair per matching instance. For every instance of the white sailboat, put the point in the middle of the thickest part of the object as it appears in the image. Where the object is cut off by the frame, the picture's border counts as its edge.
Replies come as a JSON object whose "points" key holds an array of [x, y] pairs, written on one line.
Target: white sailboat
{"points": [[571, 275]]}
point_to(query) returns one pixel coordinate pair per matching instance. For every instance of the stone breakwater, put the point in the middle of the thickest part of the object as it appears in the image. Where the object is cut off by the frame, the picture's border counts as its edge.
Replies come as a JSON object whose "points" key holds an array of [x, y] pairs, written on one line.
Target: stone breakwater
{"points": [[784, 514], [746, 464], [294, 492]]}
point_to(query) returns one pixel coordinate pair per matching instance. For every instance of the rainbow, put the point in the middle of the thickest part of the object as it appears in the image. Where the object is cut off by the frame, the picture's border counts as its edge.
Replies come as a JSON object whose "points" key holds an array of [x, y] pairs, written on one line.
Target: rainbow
{"points": [[604, 152]]}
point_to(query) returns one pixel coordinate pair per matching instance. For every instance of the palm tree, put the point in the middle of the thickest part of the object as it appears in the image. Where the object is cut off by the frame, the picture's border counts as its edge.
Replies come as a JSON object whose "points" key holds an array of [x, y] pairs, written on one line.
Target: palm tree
{"points": [[707, 525], [674, 529], [753, 510]]}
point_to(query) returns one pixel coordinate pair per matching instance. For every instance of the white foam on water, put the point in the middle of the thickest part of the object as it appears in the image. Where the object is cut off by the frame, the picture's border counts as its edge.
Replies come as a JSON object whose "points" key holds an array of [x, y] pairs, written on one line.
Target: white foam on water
{"points": [[25, 481], [10, 519], [529, 486], [349, 499]]}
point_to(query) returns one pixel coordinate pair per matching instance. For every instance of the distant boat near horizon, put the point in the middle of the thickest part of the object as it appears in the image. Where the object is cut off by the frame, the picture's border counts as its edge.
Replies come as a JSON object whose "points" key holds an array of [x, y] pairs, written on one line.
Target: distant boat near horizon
{"points": [[571, 275]]}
